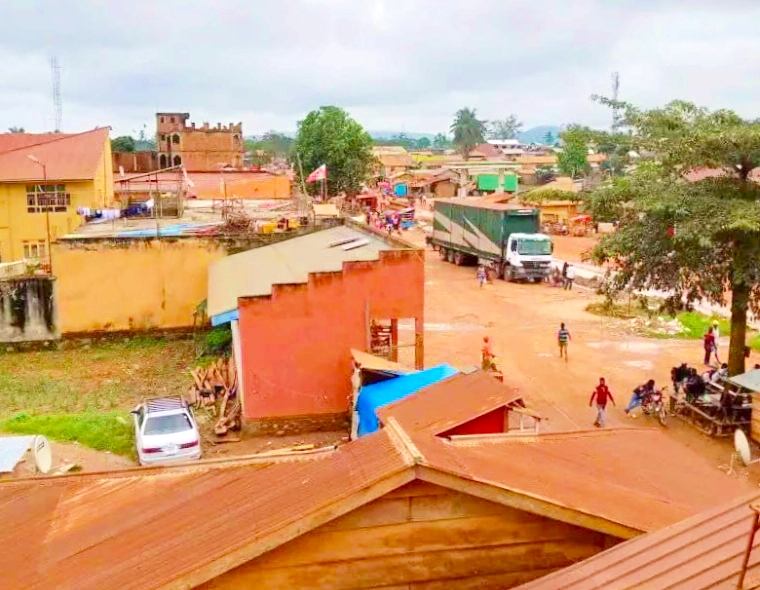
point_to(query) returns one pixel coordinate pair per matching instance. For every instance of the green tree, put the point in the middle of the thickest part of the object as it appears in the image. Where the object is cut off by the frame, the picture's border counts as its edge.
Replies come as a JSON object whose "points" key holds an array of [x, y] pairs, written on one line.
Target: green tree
{"points": [[505, 128], [691, 237], [549, 138], [468, 131], [125, 143], [423, 143], [16, 130], [441, 142], [330, 136], [573, 160]]}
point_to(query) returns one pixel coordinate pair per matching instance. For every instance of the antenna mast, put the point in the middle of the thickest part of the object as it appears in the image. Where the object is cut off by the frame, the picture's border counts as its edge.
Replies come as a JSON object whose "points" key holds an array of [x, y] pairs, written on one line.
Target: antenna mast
{"points": [[615, 111], [57, 103]]}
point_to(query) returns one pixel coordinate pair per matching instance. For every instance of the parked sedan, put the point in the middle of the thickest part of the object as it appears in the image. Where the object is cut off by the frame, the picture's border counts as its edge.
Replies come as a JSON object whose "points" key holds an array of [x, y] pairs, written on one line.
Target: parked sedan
{"points": [[165, 430]]}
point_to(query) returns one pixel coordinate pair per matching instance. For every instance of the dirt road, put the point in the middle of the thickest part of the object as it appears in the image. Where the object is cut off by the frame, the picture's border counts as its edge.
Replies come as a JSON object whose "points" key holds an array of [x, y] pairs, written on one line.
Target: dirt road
{"points": [[522, 321]]}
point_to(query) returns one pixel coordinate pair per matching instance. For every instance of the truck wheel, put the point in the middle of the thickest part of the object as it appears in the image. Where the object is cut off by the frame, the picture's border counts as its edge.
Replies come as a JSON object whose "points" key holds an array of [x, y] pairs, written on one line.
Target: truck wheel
{"points": [[508, 274], [458, 258], [449, 255], [442, 252]]}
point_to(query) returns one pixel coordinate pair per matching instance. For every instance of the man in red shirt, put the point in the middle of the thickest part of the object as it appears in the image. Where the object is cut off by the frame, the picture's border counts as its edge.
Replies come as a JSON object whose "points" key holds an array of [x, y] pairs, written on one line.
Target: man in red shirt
{"points": [[486, 354], [602, 394]]}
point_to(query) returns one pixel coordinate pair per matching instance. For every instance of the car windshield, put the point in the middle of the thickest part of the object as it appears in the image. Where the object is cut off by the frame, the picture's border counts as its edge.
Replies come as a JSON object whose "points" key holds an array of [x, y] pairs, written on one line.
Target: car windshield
{"points": [[534, 247], [170, 424]]}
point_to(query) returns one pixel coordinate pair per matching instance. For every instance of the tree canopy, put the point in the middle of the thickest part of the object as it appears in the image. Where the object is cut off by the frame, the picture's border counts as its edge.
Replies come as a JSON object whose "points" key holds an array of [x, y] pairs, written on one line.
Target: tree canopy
{"points": [[690, 212], [16, 130], [330, 136], [549, 138], [441, 142], [507, 128], [573, 160], [125, 143], [468, 131], [268, 147]]}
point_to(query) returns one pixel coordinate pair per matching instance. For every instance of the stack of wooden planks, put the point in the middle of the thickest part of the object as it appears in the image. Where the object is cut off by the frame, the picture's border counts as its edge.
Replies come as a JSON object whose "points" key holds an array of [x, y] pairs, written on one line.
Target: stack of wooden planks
{"points": [[215, 388]]}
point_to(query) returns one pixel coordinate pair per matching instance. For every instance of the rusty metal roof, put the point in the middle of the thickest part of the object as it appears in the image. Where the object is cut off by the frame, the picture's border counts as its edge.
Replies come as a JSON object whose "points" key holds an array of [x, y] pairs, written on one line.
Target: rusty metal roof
{"points": [[145, 528], [701, 553], [636, 478], [66, 156], [449, 403]]}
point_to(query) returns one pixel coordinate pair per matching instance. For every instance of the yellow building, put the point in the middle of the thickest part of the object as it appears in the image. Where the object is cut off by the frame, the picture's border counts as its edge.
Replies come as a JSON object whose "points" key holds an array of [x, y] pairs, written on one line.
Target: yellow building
{"points": [[44, 178], [555, 211]]}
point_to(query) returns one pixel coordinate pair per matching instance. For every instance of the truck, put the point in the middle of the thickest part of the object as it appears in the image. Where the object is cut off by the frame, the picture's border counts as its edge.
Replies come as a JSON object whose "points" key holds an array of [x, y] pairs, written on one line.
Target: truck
{"points": [[501, 236]]}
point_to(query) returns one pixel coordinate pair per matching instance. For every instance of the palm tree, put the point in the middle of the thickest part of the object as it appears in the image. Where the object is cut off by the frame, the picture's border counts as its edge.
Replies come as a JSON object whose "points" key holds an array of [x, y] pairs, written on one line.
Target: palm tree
{"points": [[468, 131]]}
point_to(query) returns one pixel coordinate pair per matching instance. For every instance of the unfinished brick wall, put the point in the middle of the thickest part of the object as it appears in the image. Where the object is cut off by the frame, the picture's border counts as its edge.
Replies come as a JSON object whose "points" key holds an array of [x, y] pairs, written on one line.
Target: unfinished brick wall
{"points": [[198, 148]]}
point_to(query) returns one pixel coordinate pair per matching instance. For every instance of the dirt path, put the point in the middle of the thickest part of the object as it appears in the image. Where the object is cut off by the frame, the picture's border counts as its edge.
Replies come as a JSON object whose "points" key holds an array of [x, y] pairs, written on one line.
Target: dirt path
{"points": [[523, 320]]}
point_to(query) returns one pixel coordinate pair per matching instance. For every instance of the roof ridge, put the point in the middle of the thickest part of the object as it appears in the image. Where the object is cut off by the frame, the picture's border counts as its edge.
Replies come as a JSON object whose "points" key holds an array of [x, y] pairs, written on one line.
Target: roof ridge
{"points": [[402, 441], [61, 137]]}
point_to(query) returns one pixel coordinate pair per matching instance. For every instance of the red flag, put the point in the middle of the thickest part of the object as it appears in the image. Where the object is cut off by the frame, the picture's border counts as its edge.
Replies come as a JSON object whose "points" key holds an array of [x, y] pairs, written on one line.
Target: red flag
{"points": [[319, 174]]}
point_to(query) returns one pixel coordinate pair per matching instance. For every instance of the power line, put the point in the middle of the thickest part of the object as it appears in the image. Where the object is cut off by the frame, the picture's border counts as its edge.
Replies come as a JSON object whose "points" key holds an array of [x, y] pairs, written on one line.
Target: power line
{"points": [[57, 102]]}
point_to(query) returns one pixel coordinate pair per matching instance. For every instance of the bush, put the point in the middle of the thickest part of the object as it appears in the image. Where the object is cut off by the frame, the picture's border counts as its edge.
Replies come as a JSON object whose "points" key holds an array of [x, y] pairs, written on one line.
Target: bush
{"points": [[219, 340]]}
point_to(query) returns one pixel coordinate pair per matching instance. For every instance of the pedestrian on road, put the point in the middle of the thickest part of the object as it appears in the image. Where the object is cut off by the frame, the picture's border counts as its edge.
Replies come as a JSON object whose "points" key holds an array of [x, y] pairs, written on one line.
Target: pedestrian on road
{"points": [[716, 337], [709, 344], [602, 394], [482, 275], [564, 271], [486, 354], [563, 337], [569, 277]]}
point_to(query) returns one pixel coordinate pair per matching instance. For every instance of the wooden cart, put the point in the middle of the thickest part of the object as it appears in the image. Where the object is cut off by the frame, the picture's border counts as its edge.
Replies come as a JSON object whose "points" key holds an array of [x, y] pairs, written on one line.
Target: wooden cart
{"points": [[723, 408]]}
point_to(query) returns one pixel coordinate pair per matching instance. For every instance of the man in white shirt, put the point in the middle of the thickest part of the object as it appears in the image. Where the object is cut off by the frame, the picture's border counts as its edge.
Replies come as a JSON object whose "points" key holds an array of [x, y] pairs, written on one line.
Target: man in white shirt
{"points": [[569, 277]]}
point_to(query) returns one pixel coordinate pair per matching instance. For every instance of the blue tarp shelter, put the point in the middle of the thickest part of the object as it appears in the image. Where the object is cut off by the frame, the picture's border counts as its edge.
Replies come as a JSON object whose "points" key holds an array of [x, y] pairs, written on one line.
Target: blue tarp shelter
{"points": [[381, 394]]}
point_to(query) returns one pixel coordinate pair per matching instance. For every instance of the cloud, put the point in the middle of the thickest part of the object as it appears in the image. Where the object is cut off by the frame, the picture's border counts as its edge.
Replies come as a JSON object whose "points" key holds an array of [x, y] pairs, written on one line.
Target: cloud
{"points": [[399, 65]]}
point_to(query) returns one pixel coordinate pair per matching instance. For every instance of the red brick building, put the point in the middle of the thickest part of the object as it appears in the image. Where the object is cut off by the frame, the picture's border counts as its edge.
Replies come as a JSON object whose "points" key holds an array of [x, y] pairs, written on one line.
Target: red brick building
{"points": [[298, 307], [200, 149]]}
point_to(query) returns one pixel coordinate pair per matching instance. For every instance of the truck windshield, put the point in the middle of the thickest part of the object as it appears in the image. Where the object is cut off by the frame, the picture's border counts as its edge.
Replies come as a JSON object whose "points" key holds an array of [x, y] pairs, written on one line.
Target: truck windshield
{"points": [[536, 247]]}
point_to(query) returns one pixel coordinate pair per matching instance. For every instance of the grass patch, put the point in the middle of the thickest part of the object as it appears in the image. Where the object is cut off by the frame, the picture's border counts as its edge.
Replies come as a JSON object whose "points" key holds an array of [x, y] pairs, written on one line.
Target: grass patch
{"points": [[695, 325], [105, 432]]}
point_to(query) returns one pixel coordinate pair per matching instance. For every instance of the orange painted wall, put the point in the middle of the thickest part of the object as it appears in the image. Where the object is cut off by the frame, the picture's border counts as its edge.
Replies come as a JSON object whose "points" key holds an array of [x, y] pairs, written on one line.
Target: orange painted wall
{"points": [[296, 344]]}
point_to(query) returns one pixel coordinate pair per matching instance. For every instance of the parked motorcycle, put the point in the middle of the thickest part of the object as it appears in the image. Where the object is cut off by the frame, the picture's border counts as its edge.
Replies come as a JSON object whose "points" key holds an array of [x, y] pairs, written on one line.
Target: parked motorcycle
{"points": [[654, 405]]}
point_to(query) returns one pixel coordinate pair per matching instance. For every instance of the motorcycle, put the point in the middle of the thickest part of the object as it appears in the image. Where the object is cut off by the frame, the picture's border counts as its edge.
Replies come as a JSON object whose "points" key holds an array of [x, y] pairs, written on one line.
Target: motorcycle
{"points": [[654, 405]]}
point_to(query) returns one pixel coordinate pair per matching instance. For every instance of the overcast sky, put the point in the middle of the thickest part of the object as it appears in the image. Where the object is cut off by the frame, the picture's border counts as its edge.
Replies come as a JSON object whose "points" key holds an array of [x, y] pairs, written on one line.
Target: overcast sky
{"points": [[393, 64]]}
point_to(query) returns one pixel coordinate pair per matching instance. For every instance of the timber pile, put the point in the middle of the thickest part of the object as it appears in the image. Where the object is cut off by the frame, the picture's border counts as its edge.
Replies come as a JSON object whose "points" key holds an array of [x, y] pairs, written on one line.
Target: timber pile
{"points": [[217, 384]]}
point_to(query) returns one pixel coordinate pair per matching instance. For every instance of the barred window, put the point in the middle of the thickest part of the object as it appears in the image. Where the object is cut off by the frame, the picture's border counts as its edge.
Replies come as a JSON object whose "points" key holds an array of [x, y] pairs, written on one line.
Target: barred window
{"points": [[47, 197]]}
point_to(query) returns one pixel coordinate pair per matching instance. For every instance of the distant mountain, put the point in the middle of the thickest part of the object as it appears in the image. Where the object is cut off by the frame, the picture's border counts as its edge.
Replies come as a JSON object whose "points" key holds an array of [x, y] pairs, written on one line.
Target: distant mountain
{"points": [[536, 134], [392, 134]]}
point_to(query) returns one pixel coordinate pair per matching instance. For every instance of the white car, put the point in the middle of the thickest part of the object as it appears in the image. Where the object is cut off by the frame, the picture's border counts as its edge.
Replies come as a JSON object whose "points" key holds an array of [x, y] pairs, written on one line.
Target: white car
{"points": [[165, 430]]}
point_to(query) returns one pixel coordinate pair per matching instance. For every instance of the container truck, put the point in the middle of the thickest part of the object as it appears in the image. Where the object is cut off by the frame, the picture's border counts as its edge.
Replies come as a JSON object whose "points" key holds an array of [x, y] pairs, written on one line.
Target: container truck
{"points": [[502, 236]]}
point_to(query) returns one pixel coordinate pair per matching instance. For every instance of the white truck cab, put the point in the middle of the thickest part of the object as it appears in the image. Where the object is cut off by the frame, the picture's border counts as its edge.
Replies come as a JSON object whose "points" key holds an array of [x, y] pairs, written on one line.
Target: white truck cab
{"points": [[528, 257]]}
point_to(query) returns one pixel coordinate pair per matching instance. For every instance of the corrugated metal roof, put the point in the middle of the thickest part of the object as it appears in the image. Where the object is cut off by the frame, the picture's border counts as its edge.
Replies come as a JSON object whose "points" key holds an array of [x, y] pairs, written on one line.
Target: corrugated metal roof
{"points": [[255, 272], [750, 380], [448, 403], [66, 157], [704, 552], [637, 478], [140, 530], [371, 362]]}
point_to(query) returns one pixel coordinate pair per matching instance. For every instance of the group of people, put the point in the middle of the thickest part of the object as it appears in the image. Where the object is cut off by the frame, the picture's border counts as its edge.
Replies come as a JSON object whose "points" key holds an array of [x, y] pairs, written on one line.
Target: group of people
{"points": [[389, 221]]}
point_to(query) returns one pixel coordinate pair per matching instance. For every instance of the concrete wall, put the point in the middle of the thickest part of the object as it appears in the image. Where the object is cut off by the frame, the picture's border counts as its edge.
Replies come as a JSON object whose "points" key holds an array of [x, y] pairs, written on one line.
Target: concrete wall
{"points": [[420, 537], [296, 344], [132, 284], [145, 161]]}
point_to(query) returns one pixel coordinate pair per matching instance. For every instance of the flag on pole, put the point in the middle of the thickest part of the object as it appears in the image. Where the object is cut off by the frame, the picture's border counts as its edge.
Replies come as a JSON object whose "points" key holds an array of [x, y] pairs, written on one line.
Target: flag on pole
{"points": [[319, 174]]}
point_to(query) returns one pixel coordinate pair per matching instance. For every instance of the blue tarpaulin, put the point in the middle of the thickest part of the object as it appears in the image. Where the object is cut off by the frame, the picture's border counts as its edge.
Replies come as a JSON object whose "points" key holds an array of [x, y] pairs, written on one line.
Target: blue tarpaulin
{"points": [[381, 394], [400, 190]]}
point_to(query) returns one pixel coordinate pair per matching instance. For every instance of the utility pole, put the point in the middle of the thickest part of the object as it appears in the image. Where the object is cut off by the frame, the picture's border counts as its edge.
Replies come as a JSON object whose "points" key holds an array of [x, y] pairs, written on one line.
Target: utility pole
{"points": [[57, 102], [615, 111], [47, 206]]}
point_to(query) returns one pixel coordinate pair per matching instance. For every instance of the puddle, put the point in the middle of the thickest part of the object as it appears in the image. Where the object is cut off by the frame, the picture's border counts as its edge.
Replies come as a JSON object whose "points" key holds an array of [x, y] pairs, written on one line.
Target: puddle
{"points": [[646, 365]]}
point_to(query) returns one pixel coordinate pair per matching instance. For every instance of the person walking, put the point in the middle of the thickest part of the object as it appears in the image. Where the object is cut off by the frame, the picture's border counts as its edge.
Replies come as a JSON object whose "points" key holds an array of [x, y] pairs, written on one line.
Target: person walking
{"points": [[601, 394], [716, 340], [709, 344], [569, 277], [486, 354], [563, 337], [564, 271], [482, 275]]}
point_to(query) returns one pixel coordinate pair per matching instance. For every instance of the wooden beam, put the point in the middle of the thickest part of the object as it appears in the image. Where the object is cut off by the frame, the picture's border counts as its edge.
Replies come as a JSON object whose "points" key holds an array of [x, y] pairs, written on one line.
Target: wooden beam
{"points": [[525, 502], [211, 570]]}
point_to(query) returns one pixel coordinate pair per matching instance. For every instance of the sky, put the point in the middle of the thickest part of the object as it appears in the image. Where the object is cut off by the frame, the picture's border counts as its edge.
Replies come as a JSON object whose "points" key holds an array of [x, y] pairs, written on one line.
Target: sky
{"points": [[399, 65]]}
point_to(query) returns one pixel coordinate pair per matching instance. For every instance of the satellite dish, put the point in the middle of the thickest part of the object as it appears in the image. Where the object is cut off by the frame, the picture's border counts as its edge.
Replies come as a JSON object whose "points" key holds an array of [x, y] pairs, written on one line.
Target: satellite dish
{"points": [[741, 444], [43, 455]]}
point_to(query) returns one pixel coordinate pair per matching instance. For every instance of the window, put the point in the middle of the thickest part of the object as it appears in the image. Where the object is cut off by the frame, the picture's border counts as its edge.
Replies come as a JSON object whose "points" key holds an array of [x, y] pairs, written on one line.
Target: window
{"points": [[177, 161], [34, 249], [171, 119], [47, 197], [162, 159], [163, 137], [169, 424], [162, 119], [175, 139]]}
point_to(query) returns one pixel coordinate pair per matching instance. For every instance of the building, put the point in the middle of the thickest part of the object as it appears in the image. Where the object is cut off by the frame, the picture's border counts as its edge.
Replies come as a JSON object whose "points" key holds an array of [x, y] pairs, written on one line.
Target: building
{"points": [[391, 160], [44, 178], [298, 307], [201, 149], [556, 210], [435, 499], [704, 552]]}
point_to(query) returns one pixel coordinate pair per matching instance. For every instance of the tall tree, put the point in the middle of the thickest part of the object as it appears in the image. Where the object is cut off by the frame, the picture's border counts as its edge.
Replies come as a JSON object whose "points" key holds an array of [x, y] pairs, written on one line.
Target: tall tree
{"points": [[423, 143], [468, 131], [125, 143], [573, 160], [549, 138], [16, 130], [441, 142], [505, 128], [330, 136], [681, 230]]}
